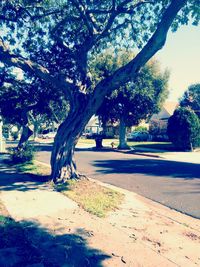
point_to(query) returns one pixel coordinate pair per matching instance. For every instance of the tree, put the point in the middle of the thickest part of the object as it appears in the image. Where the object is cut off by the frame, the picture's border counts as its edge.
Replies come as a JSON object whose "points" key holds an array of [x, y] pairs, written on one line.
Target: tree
{"points": [[184, 129], [56, 40], [135, 101], [191, 98], [22, 102]]}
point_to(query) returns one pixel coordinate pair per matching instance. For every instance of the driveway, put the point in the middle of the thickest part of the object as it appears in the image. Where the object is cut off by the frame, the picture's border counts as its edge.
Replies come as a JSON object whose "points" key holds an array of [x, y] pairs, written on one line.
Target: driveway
{"points": [[174, 184]]}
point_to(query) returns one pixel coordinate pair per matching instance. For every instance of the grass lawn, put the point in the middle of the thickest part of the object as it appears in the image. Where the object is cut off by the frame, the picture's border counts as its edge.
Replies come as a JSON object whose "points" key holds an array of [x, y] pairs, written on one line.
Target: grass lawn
{"points": [[33, 167], [91, 196], [155, 145]]}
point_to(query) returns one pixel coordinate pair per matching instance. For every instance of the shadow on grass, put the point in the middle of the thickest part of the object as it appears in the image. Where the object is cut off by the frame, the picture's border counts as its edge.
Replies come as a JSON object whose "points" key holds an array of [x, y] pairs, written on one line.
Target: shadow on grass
{"points": [[159, 146], [152, 167], [12, 179], [28, 243]]}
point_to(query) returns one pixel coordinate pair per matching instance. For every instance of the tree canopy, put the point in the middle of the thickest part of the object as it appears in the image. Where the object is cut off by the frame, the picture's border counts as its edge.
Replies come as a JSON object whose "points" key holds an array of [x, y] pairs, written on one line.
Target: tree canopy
{"points": [[135, 101], [184, 129], [139, 98], [191, 98], [55, 41], [22, 100]]}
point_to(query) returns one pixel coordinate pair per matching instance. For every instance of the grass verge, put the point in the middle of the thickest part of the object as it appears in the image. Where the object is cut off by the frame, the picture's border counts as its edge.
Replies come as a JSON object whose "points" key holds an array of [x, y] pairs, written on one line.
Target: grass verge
{"points": [[168, 146], [33, 167], [92, 197]]}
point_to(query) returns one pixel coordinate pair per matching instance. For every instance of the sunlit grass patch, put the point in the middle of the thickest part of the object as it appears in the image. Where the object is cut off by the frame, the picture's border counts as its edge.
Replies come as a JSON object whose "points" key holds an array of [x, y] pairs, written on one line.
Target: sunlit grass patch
{"points": [[91, 196], [33, 167]]}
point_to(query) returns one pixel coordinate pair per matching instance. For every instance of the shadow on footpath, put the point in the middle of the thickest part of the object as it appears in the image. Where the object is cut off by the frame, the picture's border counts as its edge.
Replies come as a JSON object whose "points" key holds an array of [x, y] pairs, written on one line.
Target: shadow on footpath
{"points": [[27, 243], [10, 179], [152, 167]]}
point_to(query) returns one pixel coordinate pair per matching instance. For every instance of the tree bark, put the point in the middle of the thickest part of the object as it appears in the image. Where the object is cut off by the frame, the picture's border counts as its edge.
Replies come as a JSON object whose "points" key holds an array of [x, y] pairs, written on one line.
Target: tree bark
{"points": [[26, 133], [122, 135], [63, 165], [99, 142]]}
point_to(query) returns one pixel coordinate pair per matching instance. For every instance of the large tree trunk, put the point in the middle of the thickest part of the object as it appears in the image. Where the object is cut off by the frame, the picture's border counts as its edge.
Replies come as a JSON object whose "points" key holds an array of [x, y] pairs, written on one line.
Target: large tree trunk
{"points": [[26, 133], [122, 135], [63, 166]]}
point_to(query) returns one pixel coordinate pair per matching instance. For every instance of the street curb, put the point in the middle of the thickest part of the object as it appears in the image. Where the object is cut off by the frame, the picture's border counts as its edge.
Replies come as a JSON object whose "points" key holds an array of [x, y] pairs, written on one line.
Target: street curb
{"points": [[130, 152]]}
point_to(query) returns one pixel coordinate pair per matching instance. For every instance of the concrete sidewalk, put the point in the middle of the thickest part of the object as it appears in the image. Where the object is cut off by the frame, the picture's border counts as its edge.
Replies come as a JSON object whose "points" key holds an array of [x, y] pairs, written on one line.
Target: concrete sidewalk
{"points": [[189, 157], [140, 233]]}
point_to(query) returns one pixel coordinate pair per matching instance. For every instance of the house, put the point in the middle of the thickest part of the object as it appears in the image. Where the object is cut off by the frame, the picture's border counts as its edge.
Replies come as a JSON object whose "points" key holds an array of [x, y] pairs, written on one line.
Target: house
{"points": [[166, 111], [93, 126], [158, 122]]}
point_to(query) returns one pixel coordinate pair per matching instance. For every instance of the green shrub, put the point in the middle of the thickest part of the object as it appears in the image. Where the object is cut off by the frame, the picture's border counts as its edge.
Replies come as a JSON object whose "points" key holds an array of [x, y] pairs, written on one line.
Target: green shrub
{"points": [[184, 129], [20, 155], [140, 129], [14, 135]]}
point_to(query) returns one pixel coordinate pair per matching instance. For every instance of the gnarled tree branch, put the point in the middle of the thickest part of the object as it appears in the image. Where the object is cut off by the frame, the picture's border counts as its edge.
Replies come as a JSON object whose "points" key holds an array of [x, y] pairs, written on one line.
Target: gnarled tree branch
{"points": [[155, 43], [29, 66]]}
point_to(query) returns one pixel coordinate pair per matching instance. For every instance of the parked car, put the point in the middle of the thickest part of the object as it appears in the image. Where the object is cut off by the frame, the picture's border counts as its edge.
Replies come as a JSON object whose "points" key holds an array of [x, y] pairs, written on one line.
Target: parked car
{"points": [[139, 136]]}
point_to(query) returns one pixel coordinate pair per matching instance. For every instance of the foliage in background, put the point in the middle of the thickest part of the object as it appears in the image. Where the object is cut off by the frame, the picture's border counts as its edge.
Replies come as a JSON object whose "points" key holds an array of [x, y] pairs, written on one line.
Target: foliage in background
{"points": [[191, 98], [22, 155], [139, 98], [141, 129], [184, 129], [136, 100], [14, 135], [29, 101]]}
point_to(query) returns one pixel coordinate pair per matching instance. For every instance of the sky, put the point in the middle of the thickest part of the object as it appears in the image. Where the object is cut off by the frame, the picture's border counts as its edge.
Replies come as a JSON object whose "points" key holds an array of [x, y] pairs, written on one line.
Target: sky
{"points": [[181, 55]]}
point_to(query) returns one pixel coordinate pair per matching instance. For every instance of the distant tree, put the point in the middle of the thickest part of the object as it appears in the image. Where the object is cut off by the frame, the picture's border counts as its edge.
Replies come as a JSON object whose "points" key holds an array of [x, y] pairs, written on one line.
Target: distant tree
{"points": [[135, 101], [191, 98], [22, 101], [184, 129]]}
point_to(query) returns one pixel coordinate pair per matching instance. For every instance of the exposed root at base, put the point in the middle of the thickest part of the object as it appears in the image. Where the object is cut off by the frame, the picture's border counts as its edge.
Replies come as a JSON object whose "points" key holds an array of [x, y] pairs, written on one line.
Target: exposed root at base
{"points": [[77, 178]]}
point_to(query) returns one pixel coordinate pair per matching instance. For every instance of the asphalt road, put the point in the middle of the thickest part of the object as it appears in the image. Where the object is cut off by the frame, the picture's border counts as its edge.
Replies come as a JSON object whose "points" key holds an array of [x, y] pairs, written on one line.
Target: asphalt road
{"points": [[174, 184]]}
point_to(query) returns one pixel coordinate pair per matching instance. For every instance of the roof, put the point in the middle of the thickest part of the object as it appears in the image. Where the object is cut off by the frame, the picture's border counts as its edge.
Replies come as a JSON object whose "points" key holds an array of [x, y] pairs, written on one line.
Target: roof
{"points": [[94, 121], [166, 111], [170, 106]]}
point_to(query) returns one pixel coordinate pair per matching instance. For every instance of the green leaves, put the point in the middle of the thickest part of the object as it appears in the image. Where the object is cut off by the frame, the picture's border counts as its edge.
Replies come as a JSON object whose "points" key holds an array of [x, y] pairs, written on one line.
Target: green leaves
{"points": [[191, 98], [136, 100], [184, 129]]}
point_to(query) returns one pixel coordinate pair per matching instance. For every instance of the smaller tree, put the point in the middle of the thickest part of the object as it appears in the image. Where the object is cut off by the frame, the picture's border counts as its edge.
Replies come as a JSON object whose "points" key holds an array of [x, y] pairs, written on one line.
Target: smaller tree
{"points": [[21, 102], [134, 101], [191, 98], [184, 129]]}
